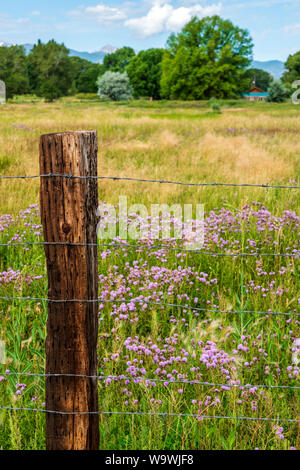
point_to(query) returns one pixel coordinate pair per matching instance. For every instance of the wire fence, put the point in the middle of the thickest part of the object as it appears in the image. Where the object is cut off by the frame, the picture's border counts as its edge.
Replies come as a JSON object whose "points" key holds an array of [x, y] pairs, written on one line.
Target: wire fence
{"points": [[154, 380], [143, 413], [139, 180], [139, 301], [149, 247], [148, 380], [153, 247]]}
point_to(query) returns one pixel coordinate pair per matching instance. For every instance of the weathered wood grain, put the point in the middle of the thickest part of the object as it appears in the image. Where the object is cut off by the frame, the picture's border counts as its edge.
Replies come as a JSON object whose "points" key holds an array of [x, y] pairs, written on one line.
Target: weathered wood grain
{"points": [[68, 213]]}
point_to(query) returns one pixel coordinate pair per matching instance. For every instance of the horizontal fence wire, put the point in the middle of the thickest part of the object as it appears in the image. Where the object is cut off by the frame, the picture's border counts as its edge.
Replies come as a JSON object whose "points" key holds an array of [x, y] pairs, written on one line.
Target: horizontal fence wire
{"points": [[140, 180], [198, 309], [138, 247], [150, 380], [153, 247], [142, 413], [150, 247], [138, 301]]}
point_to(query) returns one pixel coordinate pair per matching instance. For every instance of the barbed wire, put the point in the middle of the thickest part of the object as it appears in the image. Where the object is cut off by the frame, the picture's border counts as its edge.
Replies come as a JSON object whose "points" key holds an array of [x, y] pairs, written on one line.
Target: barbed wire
{"points": [[245, 185], [147, 379], [141, 180], [142, 413], [197, 308], [163, 304], [149, 247], [138, 247]]}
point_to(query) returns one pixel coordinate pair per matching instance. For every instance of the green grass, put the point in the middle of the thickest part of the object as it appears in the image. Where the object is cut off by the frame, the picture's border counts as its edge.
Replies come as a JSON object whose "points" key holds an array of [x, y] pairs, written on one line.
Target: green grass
{"points": [[181, 142]]}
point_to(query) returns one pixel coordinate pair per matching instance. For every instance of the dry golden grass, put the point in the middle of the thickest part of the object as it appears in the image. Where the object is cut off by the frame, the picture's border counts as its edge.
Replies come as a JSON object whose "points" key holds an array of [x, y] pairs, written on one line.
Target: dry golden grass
{"points": [[238, 156], [190, 145]]}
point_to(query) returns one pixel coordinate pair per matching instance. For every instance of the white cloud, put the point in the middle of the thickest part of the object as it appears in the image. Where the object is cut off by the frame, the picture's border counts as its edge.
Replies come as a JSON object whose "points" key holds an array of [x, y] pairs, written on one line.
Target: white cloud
{"points": [[12, 25], [164, 17], [293, 29], [153, 23], [101, 13], [106, 13]]}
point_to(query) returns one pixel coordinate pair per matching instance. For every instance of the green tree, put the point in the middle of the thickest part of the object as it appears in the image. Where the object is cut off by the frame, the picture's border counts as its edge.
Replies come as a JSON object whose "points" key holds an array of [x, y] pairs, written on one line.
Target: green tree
{"points": [[87, 82], [85, 75], [261, 78], [114, 86], [118, 61], [277, 92], [13, 70], [144, 72], [206, 59], [50, 70], [292, 66]]}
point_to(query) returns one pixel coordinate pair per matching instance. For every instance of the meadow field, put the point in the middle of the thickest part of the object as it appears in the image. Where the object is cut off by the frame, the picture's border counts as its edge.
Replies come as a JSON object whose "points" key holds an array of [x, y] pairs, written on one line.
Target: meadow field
{"points": [[250, 359]]}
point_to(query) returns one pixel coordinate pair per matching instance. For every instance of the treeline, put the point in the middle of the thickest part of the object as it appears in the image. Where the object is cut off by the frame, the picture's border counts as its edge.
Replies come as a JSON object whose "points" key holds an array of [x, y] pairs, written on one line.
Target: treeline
{"points": [[47, 71], [210, 57]]}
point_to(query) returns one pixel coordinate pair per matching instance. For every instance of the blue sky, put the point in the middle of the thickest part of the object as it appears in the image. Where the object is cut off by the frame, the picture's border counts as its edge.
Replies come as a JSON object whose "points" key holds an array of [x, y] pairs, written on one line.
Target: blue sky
{"points": [[89, 25]]}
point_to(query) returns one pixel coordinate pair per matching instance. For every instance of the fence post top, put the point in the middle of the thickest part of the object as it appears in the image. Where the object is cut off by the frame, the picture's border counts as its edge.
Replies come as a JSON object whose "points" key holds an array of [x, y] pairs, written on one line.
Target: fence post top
{"points": [[69, 133]]}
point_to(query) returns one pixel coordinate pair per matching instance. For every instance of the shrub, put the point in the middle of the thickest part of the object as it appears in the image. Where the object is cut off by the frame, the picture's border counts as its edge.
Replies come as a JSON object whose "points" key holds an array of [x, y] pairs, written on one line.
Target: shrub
{"points": [[277, 92], [215, 105], [114, 86]]}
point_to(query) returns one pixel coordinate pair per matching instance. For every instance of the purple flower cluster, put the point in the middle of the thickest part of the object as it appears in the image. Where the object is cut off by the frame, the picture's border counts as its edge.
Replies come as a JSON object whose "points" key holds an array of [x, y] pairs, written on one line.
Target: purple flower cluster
{"points": [[272, 132], [26, 220], [158, 356], [22, 126], [142, 283], [17, 279]]}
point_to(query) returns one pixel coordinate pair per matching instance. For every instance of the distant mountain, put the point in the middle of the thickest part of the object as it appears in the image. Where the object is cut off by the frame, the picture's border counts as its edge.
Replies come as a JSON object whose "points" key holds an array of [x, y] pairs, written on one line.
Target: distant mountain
{"points": [[27, 47], [5, 44], [108, 49], [274, 67], [96, 57]]}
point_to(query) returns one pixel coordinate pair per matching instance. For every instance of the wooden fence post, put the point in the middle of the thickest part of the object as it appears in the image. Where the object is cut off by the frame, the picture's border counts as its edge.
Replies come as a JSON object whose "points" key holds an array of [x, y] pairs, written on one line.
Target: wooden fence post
{"points": [[68, 212]]}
